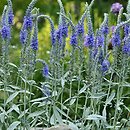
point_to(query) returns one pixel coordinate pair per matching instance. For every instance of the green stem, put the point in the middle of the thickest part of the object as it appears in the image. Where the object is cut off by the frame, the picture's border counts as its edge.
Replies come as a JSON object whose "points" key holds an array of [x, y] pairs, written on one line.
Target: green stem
{"points": [[25, 89]]}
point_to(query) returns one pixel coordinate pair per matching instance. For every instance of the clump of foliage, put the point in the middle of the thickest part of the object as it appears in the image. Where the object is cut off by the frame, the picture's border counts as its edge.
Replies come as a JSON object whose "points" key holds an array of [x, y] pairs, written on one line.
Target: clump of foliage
{"points": [[86, 87]]}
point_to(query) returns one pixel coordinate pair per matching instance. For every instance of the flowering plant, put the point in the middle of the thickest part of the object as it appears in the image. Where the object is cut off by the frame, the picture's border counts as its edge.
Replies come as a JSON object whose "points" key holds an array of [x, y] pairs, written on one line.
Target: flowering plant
{"points": [[84, 88]]}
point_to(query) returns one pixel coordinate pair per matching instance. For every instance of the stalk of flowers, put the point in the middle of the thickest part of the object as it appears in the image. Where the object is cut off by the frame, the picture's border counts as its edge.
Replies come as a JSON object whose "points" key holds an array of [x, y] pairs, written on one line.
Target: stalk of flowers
{"points": [[80, 37], [28, 53], [105, 31], [89, 40], [32, 54], [55, 57], [72, 63], [80, 59], [5, 34], [53, 42], [25, 36], [63, 26], [73, 43], [118, 60], [45, 88], [116, 43], [10, 13]]}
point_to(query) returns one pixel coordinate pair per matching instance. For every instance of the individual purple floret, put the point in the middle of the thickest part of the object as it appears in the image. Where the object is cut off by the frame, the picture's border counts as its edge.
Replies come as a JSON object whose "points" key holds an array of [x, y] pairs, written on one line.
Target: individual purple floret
{"points": [[23, 36], [10, 17], [58, 34], [45, 71], [73, 39], [28, 22], [116, 41], [5, 32], [53, 39], [126, 49], [100, 58], [80, 29], [64, 30], [89, 41], [105, 30], [113, 28], [34, 43], [105, 66], [115, 8], [100, 41], [126, 30]]}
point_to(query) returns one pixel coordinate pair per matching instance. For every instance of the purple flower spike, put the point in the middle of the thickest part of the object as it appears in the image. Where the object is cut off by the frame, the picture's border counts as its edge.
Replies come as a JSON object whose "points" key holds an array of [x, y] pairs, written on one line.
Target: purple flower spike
{"points": [[106, 30], [45, 71], [115, 8], [100, 41], [89, 41], [80, 29], [34, 44], [126, 49], [116, 41], [5, 32], [73, 40], [23, 36], [105, 66], [58, 34], [126, 30], [28, 22], [64, 30], [10, 17]]}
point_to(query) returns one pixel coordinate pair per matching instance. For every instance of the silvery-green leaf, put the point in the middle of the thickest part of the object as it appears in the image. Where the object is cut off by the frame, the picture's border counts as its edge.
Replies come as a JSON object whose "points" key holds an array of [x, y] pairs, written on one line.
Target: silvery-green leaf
{"points": [[1, 83], [11, 97], [98, 95], [95, 117], [66, 74], [54, 93], [34, 114], [72, 101], [104, 112], [57, 115], [2, 117], [126, 108], [13, 65], [14, 87], [63, 82], [16, 108], [22, 114], [86, 112], [52, 120], [39, 99], [31, 82], [13, 125], [73, 126], [63, 113], [108, 101], [83, 89]]}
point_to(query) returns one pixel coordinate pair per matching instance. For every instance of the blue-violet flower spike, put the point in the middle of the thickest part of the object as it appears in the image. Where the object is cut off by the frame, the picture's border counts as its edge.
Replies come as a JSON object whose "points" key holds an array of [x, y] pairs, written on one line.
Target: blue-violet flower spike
{"points": [[28, 22], [89, 41], [23, 36], [105, 66], [116, 41], [45, 71], [10, 17], [5, 32], [34, 43], [73, 39]]}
